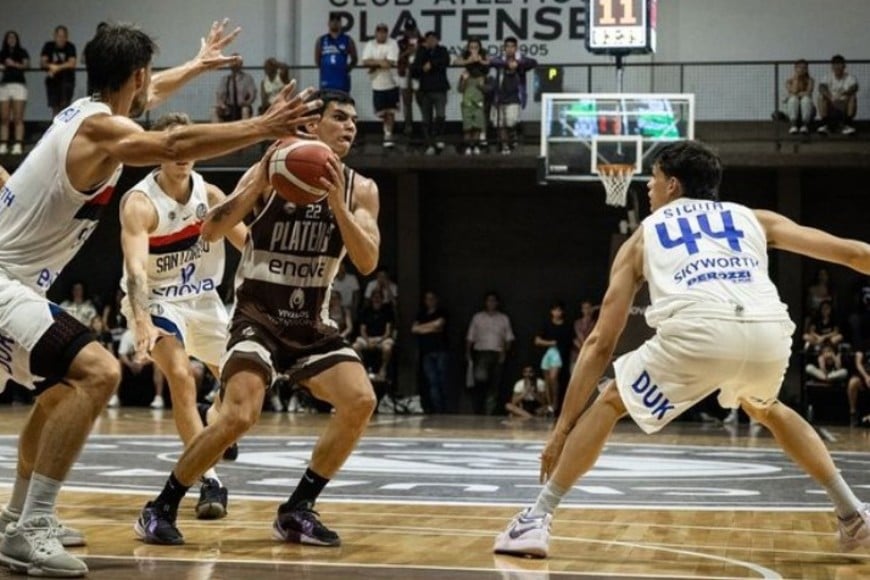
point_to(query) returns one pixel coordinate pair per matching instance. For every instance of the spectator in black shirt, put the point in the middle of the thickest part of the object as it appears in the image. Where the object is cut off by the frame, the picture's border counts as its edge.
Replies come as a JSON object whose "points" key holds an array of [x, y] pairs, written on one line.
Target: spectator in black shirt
{"points": [[431, 330], [430, 67], [59, 59], [13, 91], [556, 337], [376, 332]]}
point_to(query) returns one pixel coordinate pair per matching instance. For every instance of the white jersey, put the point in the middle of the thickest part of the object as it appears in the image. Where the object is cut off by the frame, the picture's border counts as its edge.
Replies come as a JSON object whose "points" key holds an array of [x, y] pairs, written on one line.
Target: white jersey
{"points": [[712, 257], [181, 265], [43, 219]]}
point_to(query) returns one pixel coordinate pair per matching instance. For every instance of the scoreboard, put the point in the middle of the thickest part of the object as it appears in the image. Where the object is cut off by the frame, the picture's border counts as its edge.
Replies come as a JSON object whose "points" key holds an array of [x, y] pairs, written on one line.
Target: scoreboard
{"points": [[621, 26]]}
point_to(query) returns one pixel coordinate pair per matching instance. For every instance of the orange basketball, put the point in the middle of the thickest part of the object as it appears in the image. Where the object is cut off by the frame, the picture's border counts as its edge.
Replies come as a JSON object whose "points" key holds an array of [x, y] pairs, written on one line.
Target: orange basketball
{"points": [[295, 170]]}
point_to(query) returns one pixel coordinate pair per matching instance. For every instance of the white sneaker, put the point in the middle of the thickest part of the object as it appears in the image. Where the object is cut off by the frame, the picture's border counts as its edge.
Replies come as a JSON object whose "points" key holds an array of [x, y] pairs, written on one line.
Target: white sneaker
{"points": [[732, 418], [846, 130], [793, 130], [293, 404], [16, 149], [157, 403], [476, 150], [69, 537], [430, 150], [526, 535], [34, 548], [4, 148], [854, 532], [114, 402], [468, 151], [276, 403], [804, 130], [823, 129]]}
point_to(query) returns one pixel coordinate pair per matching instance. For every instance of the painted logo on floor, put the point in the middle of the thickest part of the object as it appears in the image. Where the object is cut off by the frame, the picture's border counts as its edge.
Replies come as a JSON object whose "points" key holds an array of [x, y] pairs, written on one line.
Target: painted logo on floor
{"points": [[472, 471]]}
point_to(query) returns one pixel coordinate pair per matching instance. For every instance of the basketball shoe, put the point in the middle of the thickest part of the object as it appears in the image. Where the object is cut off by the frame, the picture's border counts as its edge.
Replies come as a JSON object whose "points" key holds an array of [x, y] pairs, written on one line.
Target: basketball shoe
{"points": [[212, 504], [33, 548], [156, 525], [301, 525], [69, 537], [854, 532], [526, 535]]}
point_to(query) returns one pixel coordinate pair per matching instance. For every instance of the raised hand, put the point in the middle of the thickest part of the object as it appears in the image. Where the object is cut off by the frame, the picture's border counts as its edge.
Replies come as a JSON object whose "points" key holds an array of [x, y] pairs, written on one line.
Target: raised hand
{"points": [[211, 47], [289, 111]]}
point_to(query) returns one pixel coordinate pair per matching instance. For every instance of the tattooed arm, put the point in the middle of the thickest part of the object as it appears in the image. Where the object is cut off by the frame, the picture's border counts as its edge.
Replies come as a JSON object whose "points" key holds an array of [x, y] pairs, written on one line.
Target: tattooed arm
{"points": [[225, 216], [138, 219], [239, 232]]}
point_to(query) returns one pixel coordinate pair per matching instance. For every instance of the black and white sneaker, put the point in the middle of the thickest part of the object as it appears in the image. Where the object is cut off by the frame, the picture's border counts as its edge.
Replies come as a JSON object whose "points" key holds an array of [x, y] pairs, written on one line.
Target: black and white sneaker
{"points": [[301, 525], [212, 504], [156, 525]]}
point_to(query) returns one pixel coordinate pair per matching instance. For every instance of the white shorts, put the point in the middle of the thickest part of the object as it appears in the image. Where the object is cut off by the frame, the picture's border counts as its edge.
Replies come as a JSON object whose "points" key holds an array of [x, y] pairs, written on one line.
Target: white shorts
{"points": [[506, 115], [201, 324], [689, 358], [13, 91]]}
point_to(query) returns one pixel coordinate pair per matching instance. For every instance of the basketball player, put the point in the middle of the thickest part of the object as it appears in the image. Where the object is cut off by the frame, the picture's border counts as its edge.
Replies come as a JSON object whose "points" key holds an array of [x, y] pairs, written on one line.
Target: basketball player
{"points": [[281, 325], [48, 209], [161, 218], [720, 326]]}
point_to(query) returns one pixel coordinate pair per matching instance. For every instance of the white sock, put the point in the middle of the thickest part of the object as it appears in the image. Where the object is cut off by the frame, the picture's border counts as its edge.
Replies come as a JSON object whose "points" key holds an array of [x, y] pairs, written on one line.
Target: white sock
{"points": [[845, 502], [211, 474], [19, 494], [41, 497], [548, 500]]}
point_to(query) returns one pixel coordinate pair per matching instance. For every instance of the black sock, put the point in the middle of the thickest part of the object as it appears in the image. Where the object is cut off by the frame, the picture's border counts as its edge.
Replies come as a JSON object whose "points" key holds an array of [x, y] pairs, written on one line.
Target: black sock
{"points": [[308, 489], [172, 493]]}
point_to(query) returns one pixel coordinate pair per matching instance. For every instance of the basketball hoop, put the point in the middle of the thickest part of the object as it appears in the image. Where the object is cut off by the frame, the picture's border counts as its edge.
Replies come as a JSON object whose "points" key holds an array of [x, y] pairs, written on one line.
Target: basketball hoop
{"points": [[616, 178]]}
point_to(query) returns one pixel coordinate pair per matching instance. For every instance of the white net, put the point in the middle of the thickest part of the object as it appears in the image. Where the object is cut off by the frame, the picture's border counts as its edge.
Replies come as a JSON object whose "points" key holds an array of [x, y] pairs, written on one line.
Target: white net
{"points": [[616, 178]]}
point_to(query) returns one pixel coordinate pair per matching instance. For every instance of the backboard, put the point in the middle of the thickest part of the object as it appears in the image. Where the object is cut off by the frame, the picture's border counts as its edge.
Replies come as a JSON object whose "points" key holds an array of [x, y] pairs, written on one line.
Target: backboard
{"points": [[580, 131]]}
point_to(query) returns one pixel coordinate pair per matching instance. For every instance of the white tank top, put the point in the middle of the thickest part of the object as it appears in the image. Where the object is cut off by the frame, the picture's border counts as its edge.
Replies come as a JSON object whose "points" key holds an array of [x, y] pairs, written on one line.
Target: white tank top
{"points": [[709, 258], [181, 265], [43, 219]]}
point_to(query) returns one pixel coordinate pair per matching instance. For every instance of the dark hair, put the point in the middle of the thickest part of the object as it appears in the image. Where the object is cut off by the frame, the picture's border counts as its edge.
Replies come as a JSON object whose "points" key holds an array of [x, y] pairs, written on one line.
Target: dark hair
{"points": [[114, 54], [557, 304], [60, 27], [332, 96], [694, 165], [410, 24], [171, 120], [511, 40], [492, 293], [7, 47], [838, 59], [432, 33], [801, 61]]}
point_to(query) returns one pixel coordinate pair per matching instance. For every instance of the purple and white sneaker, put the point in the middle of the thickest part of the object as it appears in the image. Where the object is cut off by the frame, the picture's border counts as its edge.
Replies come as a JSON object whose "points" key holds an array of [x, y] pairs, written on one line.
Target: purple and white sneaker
{"points": [[156, 525], [526, 535], [301, 525]]}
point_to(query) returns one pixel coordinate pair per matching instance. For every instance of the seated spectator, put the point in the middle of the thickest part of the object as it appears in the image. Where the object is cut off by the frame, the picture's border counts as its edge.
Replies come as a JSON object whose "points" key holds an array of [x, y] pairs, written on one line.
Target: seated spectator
{"points": [[347, 285], [829, 366], [838, 98], [113, 319], [822, 330], [79, 307], [472, 85], [510, 91], [103, 336], [235, 95], [555, 338], [383, 284], [583, 327], [340, 315], [859, 381], [376, 332], [430, 327], [529, 396], [136, 367], [14, 60], [799, 101], [277, 76]]}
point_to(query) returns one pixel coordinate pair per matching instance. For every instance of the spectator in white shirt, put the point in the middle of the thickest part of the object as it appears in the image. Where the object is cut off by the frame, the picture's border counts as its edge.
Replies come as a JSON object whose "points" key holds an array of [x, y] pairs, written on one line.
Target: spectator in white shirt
{"points": [[347, 284], [78, 306], [529, 396], [380, 56], [276, 76], [838, 97], [488, 341]]}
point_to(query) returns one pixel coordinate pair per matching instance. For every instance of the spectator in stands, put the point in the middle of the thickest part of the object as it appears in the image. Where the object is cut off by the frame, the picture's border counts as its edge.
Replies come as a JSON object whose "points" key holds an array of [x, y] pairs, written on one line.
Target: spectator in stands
{"points": [[430, 68], [820, 291], [383, 284], [407, 49], [380, 55], [510, 91], [347, 284], [838, 98], [78, 306], [472, 85], [136, 366], [235, 95], [335, 55], [102, 334], [799, 101], [487, 343], [859, 381], [113, 320], [376, 332], [583, 327], [859, 318], [430, 327], [340, 315], [828, 368], [529, 396], [823, 330], [276, 75], [555, 338], [58, 57], [14, 60]]}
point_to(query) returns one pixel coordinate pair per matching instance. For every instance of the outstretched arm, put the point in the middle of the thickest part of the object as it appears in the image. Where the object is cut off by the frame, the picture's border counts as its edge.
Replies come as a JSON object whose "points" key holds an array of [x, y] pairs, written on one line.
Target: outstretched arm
{"points": [[210, 56], [226, 216], [784, 234]]}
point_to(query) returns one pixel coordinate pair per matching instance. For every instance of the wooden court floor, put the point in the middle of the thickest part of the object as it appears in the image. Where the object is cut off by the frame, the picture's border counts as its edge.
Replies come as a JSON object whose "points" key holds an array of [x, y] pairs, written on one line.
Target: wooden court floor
{"points": [[425, 538]]}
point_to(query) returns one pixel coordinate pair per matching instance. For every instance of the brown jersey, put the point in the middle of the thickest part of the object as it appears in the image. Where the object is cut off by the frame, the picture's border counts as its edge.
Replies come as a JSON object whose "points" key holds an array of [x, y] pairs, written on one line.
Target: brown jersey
{"points": [[285, 276]]}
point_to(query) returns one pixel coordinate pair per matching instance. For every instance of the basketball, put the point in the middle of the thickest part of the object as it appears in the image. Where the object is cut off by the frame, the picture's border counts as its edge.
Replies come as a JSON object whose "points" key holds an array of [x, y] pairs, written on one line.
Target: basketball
{"points": [[295, 170]]}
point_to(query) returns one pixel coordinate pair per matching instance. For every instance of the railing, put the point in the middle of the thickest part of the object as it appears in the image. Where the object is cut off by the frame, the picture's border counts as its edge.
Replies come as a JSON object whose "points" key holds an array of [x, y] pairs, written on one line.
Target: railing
{"points": [[724, 91]]}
